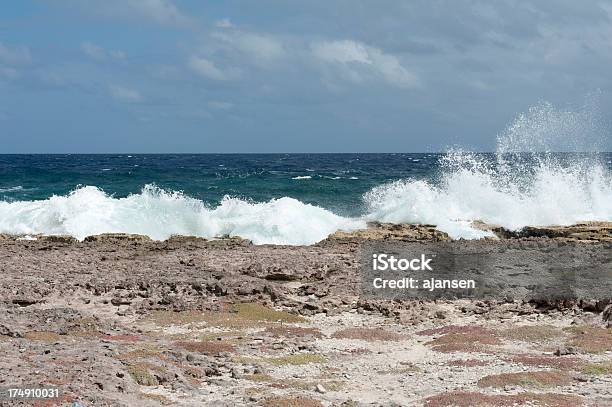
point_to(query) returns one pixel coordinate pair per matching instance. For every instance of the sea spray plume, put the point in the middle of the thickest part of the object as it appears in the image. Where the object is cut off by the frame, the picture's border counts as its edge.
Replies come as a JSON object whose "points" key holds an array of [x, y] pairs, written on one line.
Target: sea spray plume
{"points": [[524, 183], [545, 128], [159, 214]]}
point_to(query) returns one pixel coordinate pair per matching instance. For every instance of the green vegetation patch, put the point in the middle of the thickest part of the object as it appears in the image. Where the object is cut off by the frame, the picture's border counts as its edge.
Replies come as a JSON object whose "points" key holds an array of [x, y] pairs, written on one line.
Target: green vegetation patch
{"points": [[474, 399], [367, 334], [141, 373], [257, 312], [598, 369], [475, 340], [539, 379], [555, 362], [591, 339], [238, 316], [296, 359], [298, 401], [532, 333]]}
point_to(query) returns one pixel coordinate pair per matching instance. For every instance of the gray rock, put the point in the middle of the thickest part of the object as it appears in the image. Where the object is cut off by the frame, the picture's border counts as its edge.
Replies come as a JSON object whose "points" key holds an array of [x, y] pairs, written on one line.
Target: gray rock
{"points": [[236, 373]]}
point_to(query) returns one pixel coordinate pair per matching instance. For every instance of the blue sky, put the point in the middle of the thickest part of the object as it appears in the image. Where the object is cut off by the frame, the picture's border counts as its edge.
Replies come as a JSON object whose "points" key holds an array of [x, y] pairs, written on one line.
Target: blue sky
{"points": [[288, 76]]}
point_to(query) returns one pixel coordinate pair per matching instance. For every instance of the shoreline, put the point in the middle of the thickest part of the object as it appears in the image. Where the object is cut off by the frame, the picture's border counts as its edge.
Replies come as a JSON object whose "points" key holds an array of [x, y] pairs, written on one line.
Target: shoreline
{"points": [[124, 320], [581, 231]]}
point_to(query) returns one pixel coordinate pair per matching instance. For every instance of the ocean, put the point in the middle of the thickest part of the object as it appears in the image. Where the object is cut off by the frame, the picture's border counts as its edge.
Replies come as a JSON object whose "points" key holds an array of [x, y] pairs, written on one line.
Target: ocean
{"points": [[297, 198]]}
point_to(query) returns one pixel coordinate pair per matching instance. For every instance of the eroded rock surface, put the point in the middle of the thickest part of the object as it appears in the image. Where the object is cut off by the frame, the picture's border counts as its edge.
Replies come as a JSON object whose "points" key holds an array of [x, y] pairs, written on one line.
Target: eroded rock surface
{"points": [[133, 322]]}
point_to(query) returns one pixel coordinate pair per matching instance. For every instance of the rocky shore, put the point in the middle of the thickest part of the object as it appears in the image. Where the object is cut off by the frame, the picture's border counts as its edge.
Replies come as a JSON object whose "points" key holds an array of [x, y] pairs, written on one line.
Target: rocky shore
{"points": [[121, 320]]}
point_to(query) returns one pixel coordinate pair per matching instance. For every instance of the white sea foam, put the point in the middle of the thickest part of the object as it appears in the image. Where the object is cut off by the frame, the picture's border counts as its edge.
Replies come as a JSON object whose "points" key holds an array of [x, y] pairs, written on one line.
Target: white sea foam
{"points": [[524, 185], [160, 214], [552, 195], [11, 189], [301, 177]]}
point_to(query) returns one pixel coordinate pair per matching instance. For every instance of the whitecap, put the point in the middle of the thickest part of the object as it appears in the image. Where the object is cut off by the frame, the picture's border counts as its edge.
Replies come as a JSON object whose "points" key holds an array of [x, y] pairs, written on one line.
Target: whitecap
{"points": [[159, 214], [12, 189]]}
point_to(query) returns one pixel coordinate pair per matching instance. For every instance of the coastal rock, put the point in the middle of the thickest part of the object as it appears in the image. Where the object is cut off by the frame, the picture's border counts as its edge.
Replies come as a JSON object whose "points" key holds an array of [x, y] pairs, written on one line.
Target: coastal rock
{"points": [[253, 317], [584, 231], [229, 242], [186, 239], [390, 231], [58, 239], [117, 237], [606, 316]]}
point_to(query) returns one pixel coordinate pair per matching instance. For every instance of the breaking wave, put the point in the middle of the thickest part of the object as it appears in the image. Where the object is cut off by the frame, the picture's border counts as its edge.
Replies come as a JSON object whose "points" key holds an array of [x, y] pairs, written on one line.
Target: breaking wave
{"points": [[524, 183], [160, 214], [548, 193]]}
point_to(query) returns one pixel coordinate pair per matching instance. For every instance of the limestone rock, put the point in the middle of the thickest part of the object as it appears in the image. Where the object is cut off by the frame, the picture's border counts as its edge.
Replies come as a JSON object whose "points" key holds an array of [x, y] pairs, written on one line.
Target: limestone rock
{"points": [[117, 237], [389, 231]]}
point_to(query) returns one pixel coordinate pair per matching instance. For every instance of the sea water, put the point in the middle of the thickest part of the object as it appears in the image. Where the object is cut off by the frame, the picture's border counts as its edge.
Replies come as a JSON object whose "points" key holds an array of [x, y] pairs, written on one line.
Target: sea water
{"points": [[302, 198]]}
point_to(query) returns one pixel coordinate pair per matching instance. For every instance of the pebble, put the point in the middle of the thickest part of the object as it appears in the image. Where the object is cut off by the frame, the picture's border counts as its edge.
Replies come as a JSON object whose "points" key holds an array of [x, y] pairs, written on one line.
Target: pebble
{"points": [[236, 373]]}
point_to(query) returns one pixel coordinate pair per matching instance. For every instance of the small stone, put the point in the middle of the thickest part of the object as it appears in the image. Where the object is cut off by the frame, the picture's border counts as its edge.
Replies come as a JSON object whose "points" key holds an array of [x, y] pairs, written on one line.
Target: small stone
{"points": [[440, 314], [566, 350], [581, 378], [236, 373], [259, 369], [321, 389]]}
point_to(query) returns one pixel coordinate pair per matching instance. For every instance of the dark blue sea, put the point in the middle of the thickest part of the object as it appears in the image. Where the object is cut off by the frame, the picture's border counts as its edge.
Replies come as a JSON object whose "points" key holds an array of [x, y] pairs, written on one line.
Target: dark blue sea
{"points": [[333, 181]]}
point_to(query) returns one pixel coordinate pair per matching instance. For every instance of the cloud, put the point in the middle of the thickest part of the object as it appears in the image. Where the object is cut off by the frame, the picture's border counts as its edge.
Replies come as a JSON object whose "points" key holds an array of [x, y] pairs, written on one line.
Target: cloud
{"points": [[208, 69], [125, 94], [259, 48], [14, 55], [341, 51], [224, 23], [162, 12], [348, 54], [98, 53]]}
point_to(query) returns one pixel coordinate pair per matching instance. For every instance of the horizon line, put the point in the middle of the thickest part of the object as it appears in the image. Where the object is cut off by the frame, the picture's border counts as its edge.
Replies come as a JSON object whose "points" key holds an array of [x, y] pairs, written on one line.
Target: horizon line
{"points": [[318, 152]]}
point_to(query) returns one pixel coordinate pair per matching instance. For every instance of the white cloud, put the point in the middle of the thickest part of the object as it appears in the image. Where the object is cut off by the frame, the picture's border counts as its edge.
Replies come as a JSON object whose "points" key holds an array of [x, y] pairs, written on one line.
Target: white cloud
{"points": [[224, 23], [341, 51], [162, 12], [14, 55], [98, 53], [350, 54], [260, 48], [93, 51], [125, 94], [208, 69]]}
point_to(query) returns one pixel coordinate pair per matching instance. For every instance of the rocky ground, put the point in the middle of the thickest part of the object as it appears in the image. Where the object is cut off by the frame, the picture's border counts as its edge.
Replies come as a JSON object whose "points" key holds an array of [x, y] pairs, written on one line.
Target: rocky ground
{"points": [[123, 321]]}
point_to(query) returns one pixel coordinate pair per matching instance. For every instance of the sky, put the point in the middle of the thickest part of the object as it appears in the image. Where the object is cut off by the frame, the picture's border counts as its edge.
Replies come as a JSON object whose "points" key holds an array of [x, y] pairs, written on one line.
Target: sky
{"points": [[155, 76]]}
